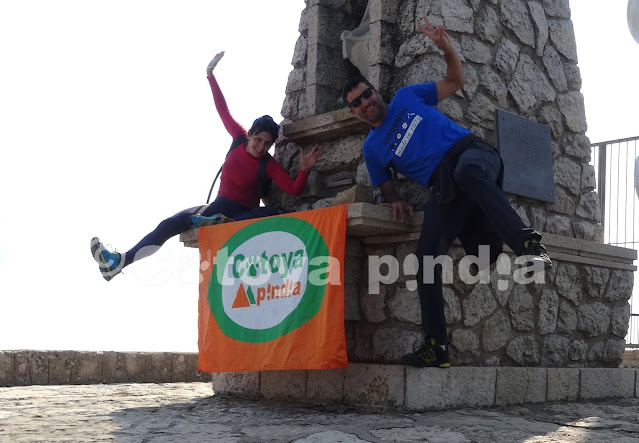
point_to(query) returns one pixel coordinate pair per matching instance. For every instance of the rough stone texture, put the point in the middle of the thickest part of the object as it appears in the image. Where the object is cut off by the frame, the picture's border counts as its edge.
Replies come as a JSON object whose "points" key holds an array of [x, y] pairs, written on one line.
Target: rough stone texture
{"points": [[563, 384], [572, 107], [496, 332], [465, 341], [245, 383], [7, 368], [402, 306], [520, 385], [374, 384], [563, 37], [620, 319], [554, 351], [541, 25], [389, 344], [530, 85], [479, 304], [88, 368], [283, 384], [433, 388], [521, 309], [515, 16], [326, 386], [548, 308], [61, 366], [189, 412], [566, 281], [524, 351], [567, 318], [593, 319], [620, 286], [603, 383]]}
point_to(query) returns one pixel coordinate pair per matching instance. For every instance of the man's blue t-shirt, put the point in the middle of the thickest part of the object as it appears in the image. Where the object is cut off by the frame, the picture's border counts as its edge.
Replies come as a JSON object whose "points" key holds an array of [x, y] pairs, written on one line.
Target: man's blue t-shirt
{"points": [[413, 138]]}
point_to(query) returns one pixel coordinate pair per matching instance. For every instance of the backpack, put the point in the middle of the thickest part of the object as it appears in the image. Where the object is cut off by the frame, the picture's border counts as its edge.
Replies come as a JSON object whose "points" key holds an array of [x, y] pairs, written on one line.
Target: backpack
{"points": [[263, 182]]}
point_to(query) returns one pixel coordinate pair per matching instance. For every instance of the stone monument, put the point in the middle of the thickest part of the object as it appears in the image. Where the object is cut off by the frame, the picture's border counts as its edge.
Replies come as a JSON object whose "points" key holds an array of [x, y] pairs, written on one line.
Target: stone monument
{"points": [[519, 56]]}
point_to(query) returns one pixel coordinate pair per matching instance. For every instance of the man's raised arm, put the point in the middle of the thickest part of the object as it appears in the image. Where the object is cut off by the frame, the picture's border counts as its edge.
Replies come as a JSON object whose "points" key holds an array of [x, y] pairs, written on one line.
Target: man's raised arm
{"points": [[455, 77]]}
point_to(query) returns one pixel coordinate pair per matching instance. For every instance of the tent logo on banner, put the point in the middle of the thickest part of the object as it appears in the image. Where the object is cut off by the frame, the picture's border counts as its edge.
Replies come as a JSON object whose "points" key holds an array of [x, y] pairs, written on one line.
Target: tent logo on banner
{"points": [[269, 279]]}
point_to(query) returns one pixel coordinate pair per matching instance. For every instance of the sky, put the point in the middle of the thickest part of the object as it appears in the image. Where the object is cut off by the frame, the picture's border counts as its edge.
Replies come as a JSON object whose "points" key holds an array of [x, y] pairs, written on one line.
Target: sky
{"points": [[107, 126]]}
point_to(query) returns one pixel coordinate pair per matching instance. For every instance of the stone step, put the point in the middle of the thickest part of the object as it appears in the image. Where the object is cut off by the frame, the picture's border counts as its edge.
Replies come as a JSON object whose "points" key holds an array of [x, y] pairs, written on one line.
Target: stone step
{"points": [[394, 386]]}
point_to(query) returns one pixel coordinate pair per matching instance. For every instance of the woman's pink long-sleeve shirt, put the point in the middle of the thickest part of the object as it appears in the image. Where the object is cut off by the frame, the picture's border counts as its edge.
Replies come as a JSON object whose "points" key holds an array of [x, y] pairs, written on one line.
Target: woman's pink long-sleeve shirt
{"points": [[239, 172]]}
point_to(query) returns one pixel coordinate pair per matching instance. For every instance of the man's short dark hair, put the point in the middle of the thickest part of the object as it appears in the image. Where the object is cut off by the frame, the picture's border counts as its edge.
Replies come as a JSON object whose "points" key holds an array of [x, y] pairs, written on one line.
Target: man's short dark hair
{"points": [[351, 84]]}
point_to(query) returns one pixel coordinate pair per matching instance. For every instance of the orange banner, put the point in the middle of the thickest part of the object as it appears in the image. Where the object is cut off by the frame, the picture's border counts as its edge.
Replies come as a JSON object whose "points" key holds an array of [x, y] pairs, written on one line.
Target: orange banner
{"points": [[272, 293]]}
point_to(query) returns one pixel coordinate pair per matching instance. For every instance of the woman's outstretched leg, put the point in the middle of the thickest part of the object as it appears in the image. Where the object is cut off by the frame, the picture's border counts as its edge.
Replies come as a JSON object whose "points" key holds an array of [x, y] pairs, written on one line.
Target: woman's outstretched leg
{"points": [[112, 263]]}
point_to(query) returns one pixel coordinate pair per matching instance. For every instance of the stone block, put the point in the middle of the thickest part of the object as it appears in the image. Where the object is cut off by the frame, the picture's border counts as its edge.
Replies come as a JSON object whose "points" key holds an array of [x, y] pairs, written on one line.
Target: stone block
{"points": [[563, 384], [120, 367], [158, 367], [434, 388], [600, 383], [61, 367], [88, 368], [192, 373], [7, 368], [385, 10], [368, 384], [325, 385], [283, 385], [31, 368], [354, 194], [245, 383], [380, 46], [179, 367], [520, 385]]}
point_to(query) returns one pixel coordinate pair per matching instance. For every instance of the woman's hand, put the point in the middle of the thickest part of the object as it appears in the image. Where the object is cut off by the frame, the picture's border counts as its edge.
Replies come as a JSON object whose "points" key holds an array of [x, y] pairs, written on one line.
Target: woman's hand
{"points": [[213, 64], [310, 159]]}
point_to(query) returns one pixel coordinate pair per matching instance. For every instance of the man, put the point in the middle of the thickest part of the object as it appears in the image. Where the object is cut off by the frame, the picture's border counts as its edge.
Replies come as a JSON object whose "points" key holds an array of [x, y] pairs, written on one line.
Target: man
{"points": [[468, 202]]}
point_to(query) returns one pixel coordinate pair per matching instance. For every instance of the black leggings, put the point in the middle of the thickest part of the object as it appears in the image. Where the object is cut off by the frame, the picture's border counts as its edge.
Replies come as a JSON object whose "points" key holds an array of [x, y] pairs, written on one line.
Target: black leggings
{"points": [[181, 222]]}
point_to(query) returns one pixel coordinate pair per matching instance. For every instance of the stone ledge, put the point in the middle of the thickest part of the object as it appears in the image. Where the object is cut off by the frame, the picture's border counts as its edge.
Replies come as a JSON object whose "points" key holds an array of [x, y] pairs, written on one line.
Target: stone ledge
{"points": [[24, 368], [373, 224], [324, 127], [400, 387]]}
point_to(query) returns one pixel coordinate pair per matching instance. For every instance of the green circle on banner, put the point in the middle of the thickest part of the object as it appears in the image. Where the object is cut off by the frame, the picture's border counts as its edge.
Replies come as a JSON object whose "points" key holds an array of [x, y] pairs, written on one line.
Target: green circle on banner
{"points": [[312, 297]]}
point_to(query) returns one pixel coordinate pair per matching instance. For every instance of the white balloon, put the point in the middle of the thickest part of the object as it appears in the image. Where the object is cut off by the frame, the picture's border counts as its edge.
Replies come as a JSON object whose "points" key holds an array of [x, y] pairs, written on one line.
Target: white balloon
{"points": [[633, 18]]}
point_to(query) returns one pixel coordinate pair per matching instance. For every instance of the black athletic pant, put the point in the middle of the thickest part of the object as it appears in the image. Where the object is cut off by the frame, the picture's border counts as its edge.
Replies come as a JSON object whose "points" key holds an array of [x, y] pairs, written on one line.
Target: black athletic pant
{"points": [[181, 222], [479, 215]]}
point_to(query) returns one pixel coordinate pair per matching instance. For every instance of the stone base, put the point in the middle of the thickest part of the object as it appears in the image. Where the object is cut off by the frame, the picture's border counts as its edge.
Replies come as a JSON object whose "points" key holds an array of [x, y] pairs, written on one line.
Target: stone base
{"points": [[394, 386]]}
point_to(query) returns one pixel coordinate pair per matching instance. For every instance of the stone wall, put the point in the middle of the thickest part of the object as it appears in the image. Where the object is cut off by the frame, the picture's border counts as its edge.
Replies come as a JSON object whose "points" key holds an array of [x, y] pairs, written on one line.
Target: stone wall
{"points": [[23, 368], [519, 56], [578, 317]]}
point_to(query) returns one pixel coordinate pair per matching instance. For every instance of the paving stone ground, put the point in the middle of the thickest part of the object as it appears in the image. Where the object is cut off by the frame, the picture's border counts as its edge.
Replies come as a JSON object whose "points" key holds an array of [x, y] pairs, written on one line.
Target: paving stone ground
{"points": [[191, 413]]}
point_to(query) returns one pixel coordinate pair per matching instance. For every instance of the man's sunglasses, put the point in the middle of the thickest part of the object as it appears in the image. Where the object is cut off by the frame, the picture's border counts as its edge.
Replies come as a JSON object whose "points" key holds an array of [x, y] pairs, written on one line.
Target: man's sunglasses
{"points": [[357, 101]]}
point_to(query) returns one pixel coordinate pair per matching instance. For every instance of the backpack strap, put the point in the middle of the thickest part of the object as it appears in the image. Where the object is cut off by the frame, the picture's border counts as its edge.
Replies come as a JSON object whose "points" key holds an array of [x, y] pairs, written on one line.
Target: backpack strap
{"points": [[263, 182], [237, 141]]}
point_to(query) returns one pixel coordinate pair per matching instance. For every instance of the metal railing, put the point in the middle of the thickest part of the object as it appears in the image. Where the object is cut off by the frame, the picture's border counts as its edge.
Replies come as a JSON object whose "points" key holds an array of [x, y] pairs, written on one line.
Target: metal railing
{"points": [[614, 163]]}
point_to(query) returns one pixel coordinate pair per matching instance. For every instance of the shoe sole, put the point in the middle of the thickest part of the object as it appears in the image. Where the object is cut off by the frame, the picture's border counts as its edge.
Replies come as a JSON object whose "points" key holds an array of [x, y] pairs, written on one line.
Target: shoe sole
{"points": [[106, 271]]}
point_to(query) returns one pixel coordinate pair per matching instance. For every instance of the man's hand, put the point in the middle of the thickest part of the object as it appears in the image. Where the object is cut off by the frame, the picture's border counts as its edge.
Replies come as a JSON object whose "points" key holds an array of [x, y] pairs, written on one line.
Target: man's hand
{"points": [[310, 159], [400, 209], [437, 35], [213, 64], [455, 77]]}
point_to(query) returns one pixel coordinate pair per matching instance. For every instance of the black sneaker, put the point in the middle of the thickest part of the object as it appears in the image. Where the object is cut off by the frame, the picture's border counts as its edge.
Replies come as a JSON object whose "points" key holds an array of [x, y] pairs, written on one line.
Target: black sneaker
{"points": [[427, 355], [537, 252]]}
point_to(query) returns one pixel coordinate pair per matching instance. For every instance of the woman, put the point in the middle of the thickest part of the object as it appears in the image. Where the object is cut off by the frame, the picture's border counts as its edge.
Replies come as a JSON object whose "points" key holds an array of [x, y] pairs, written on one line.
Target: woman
{"points": [[238, 197]]}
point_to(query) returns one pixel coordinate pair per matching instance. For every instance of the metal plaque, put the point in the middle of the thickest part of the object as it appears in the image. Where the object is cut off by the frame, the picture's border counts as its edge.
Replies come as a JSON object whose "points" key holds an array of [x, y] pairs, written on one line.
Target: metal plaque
{"points": [[525, 147]]}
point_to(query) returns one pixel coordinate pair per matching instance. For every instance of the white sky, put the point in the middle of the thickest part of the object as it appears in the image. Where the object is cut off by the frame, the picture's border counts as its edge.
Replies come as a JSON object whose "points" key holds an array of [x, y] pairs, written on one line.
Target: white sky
{"points": [[107, 126]]}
